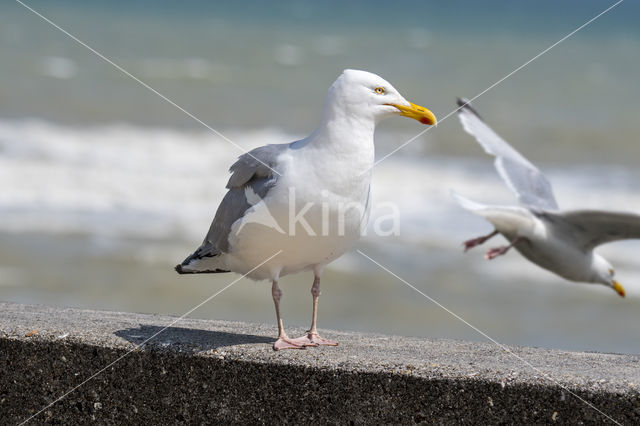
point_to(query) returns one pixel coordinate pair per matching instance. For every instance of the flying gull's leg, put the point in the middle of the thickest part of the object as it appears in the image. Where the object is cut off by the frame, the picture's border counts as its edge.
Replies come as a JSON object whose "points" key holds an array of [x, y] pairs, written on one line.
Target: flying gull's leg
{"points": [[284, 342], [312, 335], [499, 251], [477, 241]]}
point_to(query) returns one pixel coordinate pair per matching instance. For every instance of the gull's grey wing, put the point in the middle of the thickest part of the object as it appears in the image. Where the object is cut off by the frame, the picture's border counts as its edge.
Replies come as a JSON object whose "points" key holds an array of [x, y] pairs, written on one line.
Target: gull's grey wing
{"points": [[255, 172], [257, 169], [261, 162], [590, 228], [530, 186]]}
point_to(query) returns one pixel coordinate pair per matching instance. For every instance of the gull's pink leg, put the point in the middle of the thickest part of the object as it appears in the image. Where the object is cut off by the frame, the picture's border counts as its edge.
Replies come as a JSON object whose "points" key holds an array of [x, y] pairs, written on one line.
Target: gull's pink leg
{"points": [[284, 342], [499, 251], [312, 335], [477, 241]]}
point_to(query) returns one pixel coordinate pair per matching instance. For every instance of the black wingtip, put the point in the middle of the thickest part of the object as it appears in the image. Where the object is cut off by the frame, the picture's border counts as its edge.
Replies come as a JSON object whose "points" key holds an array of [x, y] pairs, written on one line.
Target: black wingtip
{"points": [[178, 269], [465, 104]]}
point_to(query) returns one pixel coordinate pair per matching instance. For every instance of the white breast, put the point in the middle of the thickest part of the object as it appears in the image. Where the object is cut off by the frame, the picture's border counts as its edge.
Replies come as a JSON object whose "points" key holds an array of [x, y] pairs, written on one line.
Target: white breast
{"points": [[314, 214], [553, 251]]}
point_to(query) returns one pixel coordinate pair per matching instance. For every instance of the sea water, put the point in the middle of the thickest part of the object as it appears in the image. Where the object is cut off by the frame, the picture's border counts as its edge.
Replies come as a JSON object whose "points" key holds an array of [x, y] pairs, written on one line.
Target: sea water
{"points": [[104, 186]]}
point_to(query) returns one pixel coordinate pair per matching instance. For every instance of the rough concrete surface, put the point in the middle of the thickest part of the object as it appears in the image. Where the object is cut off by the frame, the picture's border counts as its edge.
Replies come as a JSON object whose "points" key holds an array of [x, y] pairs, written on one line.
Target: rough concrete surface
{"points": [[202, 372]]}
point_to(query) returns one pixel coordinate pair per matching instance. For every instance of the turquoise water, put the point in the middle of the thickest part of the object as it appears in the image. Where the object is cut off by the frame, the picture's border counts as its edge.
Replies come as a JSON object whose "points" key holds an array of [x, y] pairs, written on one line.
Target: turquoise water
{"points": [[104, 186]]}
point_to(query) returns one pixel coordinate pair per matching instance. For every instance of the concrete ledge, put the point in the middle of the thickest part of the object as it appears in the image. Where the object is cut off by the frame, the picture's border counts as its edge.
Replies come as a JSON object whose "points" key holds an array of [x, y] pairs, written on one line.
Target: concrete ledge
{"points": [[201, 371]]}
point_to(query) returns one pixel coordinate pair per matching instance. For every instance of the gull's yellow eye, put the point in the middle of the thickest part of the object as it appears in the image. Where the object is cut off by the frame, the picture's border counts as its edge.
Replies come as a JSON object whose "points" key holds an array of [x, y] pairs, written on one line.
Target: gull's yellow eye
{"points": [[379, 90], [611, 272]]}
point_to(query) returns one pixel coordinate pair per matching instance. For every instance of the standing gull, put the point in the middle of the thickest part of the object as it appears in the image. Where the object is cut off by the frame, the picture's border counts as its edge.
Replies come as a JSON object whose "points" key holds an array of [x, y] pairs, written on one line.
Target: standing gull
{"points": [[560, 241], [304, 202]]}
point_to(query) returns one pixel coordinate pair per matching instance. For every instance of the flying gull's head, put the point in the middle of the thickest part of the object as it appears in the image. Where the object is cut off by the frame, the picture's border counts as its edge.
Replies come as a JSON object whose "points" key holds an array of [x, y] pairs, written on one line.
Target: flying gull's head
{"points": [[604, 274], [367, 95]]}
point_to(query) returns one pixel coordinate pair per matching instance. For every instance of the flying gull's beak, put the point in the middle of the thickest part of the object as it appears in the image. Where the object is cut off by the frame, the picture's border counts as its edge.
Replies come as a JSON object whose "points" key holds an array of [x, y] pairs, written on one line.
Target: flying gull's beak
{"points": [[618, 288], [417, 112]]}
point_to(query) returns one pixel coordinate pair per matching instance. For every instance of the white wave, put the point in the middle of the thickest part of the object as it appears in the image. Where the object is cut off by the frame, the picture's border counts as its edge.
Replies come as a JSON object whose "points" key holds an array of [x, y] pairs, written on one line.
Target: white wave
{"points": [[116, 179], [127, 181]]}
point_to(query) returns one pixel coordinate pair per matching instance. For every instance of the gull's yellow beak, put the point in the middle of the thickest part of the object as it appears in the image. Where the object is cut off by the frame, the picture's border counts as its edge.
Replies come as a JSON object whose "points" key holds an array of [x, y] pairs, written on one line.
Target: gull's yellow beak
{"points": [[618, 288], [417, 112]]}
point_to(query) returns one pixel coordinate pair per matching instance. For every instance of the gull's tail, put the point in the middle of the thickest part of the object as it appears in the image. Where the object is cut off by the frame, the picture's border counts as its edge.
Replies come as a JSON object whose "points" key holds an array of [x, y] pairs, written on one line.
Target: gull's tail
{"points": [[205, 260]]}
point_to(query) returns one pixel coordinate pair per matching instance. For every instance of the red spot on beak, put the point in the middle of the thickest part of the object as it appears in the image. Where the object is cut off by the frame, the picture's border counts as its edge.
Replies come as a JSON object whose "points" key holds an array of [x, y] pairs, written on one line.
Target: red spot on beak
{"points": [[425, 120]]}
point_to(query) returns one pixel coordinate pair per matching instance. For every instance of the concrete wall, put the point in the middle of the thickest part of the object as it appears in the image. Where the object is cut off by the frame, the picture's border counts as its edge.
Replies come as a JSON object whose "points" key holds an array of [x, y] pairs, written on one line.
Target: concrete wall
{"points": [[199, 371]]}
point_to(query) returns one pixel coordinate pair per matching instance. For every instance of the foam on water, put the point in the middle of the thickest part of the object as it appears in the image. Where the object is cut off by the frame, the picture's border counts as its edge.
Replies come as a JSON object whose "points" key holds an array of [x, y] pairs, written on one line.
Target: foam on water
{"points": [[124, 182], [116, 180], [134, 181]]}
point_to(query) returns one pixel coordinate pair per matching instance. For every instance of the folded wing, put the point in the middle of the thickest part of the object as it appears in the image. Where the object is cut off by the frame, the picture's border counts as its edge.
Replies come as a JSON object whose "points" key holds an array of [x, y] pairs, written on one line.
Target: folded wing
{"points": [[254, 173]]}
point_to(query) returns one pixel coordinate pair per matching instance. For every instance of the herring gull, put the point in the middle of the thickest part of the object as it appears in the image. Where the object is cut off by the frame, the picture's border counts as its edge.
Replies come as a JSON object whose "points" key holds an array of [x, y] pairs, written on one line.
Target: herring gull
{"points": [[559, 241], [305, 201]]}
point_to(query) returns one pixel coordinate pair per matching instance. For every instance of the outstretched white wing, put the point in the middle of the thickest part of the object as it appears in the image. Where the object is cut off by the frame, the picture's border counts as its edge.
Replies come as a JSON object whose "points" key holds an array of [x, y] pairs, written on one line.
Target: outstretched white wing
{"points": [[504, 218], [530, 186], [590, 228]]}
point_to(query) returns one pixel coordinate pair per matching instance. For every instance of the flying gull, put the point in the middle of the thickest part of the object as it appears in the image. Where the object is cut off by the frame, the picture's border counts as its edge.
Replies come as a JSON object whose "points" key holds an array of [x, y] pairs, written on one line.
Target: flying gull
{"points": [[559, 241], [303, 203]]}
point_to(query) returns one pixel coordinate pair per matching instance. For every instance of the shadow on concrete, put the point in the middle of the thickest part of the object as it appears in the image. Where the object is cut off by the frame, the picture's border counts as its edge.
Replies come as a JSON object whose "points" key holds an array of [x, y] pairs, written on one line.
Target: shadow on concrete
{"points": [[187, 339]]}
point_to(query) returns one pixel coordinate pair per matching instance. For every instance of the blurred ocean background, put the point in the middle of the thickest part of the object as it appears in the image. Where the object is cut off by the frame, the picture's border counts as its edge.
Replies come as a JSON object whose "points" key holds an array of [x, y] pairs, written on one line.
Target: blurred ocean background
{"points": [[104, 186]]}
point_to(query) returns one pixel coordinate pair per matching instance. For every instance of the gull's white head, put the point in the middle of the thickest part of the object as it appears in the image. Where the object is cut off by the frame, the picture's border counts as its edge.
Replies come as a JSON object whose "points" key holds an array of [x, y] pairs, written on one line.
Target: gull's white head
{"points": [[604, 273], [361, 94]]}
